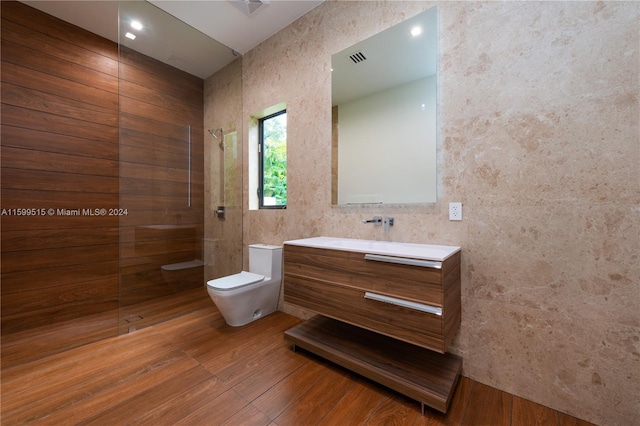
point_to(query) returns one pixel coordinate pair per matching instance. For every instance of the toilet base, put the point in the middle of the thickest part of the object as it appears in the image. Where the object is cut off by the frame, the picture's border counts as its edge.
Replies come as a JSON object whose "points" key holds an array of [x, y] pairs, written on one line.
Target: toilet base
{"points": [[247, 304]]}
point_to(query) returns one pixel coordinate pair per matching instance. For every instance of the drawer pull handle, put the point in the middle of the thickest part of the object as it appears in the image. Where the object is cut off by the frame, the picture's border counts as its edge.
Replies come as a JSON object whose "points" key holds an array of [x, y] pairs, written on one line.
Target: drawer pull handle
{"points": [[404, 303], [404, 261]]}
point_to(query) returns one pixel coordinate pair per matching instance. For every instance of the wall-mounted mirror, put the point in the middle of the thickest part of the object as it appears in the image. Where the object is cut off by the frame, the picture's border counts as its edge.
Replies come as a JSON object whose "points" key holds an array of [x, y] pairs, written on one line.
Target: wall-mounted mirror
{"points": [[384, 116]]}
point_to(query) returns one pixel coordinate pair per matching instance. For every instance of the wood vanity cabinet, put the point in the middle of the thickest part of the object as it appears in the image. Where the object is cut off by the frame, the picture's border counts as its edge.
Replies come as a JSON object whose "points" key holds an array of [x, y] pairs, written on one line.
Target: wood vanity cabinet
{"points": [[388, 318], [346, 286]]}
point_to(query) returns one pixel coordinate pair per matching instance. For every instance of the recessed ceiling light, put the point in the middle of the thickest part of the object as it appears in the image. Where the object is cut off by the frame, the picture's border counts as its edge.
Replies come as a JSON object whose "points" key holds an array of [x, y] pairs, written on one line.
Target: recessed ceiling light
{"points": [[130, 36], [416, 31], [136, 25]]}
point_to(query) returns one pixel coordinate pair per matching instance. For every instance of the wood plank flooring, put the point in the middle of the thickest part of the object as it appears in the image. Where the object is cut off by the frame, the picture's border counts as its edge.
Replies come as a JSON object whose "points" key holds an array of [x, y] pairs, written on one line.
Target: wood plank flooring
{"points": [[196, 370], [29, 345]]}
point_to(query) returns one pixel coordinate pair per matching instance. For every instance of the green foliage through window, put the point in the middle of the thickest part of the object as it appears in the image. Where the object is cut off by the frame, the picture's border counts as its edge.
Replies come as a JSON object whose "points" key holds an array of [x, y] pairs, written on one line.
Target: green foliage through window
{"points": [[273, 137]]}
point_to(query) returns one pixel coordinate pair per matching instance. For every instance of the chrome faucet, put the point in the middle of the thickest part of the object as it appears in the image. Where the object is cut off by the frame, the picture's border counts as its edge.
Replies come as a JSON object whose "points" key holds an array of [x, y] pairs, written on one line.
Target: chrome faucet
{"points": [[388, 223], [377, 220]]}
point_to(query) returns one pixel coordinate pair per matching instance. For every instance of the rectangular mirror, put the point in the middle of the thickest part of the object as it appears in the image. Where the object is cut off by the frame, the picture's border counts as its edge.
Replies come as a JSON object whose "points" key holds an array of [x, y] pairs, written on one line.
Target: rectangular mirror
{"points": [[384, 114]]}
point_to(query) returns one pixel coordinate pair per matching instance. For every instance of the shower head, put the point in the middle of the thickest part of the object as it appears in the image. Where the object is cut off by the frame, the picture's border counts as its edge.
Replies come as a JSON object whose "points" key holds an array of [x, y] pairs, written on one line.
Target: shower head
{"points": [[213, 132]]}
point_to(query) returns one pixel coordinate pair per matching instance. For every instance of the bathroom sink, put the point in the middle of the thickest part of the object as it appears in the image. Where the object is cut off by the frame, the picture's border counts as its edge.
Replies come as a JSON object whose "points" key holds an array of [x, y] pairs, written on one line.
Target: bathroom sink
{"points": [[385, 248]]}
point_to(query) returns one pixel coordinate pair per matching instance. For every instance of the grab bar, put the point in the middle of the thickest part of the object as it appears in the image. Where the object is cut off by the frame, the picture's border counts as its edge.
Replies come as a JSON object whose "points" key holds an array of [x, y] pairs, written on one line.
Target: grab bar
{"points": [[404, 261], [189, 166], [404, 303]]}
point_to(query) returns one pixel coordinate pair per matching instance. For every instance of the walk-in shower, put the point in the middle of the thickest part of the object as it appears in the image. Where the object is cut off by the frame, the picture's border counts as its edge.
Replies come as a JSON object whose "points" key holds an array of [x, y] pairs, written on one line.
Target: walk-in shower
{"points": [[167, 169]]}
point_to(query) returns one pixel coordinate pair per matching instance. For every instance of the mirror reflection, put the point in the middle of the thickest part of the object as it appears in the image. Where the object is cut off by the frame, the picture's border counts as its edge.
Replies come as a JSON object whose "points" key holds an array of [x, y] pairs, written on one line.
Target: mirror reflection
{"points": [[384, 116], [153, 32]]}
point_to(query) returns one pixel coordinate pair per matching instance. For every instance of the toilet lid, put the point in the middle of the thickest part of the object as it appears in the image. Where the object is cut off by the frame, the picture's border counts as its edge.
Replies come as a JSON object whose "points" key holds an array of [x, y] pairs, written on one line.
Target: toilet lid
{"points": [[235, 281]]}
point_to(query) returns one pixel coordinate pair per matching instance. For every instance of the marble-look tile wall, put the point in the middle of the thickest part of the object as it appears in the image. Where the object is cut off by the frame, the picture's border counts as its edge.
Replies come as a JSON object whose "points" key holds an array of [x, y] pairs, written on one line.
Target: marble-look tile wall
{"points": [[539, 138]]}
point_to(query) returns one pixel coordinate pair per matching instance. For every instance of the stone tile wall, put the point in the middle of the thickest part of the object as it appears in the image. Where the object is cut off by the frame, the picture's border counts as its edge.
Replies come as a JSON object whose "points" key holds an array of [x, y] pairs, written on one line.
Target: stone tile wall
{"points": [[539, 138]]}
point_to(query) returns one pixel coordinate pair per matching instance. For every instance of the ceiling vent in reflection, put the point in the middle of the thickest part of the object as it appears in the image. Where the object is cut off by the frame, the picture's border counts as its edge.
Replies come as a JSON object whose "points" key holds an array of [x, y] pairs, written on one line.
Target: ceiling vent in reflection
{"points": [[357, 57], [249, 7]]}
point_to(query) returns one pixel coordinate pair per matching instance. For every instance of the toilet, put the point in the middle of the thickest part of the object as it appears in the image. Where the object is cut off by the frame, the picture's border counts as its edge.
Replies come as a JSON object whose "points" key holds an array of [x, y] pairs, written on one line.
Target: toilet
{"points": [[247, 296]]}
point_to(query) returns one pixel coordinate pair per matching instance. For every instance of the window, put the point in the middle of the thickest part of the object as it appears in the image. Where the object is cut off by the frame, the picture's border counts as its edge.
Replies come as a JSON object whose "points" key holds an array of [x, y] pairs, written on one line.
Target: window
{"points": [[272, 188]]}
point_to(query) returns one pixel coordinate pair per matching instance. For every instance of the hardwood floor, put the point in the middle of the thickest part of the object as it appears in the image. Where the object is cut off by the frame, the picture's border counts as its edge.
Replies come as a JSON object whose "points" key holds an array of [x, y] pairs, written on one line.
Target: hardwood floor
{"points": [[196, 370]]}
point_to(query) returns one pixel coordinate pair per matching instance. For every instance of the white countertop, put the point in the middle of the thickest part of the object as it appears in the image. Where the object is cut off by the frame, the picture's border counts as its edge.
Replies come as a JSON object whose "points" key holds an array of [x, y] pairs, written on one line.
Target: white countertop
{"points": [[386, 248]]}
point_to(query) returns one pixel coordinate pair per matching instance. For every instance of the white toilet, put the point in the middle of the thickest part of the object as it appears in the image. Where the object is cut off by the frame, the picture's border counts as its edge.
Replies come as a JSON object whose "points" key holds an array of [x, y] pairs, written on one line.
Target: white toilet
{"points": [[247, 296]]}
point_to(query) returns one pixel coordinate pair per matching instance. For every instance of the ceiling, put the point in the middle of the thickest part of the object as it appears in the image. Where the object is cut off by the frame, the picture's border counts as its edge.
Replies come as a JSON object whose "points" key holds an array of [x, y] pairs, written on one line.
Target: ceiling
{"points": [[228, 22]]}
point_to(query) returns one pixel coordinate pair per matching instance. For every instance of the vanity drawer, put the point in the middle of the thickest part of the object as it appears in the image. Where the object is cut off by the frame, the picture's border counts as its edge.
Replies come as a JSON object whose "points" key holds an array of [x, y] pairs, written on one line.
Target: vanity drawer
{"points": [[382, 296], [350, 305], [415, 283], [373, 297]]}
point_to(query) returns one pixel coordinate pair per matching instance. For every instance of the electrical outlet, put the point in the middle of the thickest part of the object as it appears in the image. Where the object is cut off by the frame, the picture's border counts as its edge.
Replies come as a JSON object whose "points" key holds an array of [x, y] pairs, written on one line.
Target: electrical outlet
{"points": [[455, 211]]}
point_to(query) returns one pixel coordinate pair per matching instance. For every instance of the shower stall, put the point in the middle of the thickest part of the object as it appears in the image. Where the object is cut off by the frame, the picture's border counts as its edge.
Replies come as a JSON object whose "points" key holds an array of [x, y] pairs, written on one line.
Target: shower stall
{"points": [[104, 150], [175, 177]]}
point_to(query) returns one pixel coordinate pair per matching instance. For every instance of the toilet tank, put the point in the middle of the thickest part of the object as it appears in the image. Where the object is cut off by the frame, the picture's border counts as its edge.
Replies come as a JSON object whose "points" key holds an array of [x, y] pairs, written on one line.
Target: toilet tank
{"points": [[265, 260]]}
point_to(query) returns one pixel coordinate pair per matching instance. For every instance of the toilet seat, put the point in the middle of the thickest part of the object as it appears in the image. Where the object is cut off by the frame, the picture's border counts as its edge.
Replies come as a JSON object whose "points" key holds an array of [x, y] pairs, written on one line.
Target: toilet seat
{"points": [[235, 281]]}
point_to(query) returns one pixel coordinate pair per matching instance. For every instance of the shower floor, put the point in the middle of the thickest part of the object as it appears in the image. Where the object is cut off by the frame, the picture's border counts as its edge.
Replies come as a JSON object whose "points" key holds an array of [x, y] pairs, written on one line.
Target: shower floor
{"points": [[22, 347]]}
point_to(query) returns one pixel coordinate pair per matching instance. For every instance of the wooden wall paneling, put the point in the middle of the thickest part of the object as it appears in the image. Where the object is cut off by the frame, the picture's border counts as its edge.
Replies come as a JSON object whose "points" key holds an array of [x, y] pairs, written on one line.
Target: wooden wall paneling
{"points": [[157, 76], [158, 104], [25, 260], [145, 217], [23, 97], [154, 233], [59, 151], [61, 133], [188, 90], [57, 238], [70, 51], [153, 127], [166, 203], [140, 265], [157, 247], [135, 144], [45, 122], [18, 137], [57, 200], [48, 64], [52, 181], [47, 83], [149, 157], [41, 278], [42, 22], [144, 102], [133, 139], [53, 162], [160, 173], [139, 286]]}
